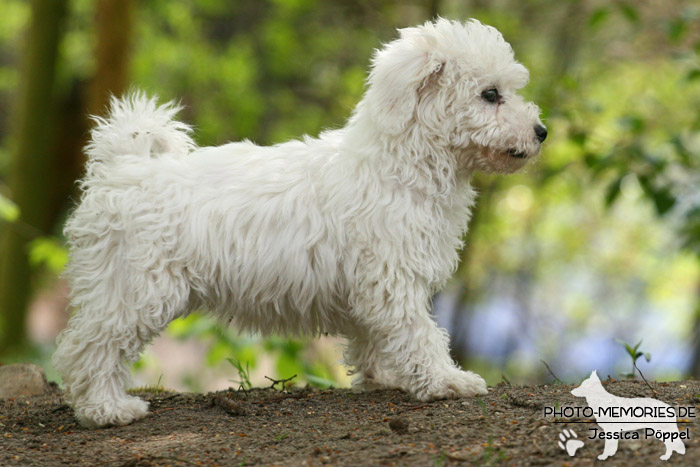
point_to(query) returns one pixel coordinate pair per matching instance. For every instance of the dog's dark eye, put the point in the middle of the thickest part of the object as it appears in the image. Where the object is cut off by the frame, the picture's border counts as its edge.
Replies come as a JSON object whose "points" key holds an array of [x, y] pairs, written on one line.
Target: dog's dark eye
{"points": [[491, 95]]}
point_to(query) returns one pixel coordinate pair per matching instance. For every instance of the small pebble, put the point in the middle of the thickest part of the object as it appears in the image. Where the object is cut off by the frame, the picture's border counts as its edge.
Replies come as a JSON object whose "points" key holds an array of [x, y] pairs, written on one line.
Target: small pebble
{"points": [[399, 425]]}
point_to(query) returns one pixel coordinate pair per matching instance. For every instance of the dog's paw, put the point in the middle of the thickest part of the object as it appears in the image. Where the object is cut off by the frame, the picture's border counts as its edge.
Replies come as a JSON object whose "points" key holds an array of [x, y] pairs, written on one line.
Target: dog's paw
{"points": [[453, 385], [111, 413]]}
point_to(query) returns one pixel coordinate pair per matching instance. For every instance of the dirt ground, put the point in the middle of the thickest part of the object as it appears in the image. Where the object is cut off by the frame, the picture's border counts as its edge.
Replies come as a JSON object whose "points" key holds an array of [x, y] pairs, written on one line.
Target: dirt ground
{"points": [[334, 427]]}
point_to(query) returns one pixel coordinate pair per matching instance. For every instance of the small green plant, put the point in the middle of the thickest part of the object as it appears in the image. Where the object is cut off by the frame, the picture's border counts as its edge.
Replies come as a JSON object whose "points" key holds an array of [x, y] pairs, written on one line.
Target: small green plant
{"points": [[492, 455], [482, 405], [152, 389], [439, 461], [634, 354], [281, 436], [243, 373]]}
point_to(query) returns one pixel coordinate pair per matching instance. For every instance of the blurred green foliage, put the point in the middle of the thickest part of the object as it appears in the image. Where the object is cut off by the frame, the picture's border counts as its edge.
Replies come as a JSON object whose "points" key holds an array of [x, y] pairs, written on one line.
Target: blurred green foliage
{"points": [[9, 212], [291, 356]]}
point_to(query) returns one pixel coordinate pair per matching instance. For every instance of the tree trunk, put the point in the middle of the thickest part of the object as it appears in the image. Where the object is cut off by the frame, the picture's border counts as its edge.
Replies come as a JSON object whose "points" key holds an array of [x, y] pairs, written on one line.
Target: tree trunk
{"points": [[433, 8], [30, 169], [113, 20], [694, 369], [47, 156]]}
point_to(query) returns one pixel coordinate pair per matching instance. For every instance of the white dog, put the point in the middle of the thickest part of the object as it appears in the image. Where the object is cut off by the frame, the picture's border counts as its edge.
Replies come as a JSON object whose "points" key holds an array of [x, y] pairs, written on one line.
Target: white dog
{"points": [[350, 233]]}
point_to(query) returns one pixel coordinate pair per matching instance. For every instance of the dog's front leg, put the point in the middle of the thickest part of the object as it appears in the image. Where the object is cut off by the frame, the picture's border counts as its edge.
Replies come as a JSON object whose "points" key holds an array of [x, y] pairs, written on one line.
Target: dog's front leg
{"points": [[402, 339]]}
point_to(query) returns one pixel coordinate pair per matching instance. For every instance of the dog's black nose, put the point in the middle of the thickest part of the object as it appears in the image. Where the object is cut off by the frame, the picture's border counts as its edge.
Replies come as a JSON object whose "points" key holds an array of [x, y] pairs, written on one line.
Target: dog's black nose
{"points": [[541, 133]]}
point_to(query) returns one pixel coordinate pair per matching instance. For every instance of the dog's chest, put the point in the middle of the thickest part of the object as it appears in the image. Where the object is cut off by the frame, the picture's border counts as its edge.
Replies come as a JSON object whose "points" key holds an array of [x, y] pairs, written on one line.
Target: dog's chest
{"points": [[408, 233]]}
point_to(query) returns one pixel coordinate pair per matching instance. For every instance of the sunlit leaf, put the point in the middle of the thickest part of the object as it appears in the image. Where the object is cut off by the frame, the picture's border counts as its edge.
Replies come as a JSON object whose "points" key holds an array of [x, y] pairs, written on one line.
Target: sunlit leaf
{"points": [[49, 252], [9, 211], [287, 366], [318, 381]]}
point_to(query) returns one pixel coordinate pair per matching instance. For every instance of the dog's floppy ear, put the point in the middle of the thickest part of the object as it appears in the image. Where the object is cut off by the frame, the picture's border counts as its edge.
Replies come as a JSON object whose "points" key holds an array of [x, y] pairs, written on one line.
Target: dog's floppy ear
{"points": [[399, 71]]}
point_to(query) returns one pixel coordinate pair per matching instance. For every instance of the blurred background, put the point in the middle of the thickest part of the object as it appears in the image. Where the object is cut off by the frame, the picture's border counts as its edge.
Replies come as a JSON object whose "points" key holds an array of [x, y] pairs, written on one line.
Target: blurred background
{"points": [[597, 242]]}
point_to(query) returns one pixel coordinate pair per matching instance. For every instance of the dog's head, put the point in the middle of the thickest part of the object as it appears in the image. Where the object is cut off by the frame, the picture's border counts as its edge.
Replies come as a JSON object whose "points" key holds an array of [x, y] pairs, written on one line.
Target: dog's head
{"points": [[455, 85]]}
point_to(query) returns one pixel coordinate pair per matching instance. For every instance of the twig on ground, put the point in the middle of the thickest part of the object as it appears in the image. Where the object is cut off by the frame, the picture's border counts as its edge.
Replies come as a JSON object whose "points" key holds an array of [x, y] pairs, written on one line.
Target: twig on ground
{"points": [[138, 459], [231, 407], [411, 408], [282, 397], [653, 391], [505, 379], [169, 397], [282, 381], [556, 379]]}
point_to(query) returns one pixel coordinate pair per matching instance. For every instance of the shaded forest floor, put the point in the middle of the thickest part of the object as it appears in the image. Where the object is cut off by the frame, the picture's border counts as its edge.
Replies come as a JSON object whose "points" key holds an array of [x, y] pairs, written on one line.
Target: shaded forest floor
{"points": [[334, 426]]}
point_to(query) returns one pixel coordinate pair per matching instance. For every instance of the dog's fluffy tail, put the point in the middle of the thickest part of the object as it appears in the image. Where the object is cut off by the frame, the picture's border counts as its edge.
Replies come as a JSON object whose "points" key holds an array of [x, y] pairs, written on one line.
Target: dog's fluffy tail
{"points": [[137, 126]]}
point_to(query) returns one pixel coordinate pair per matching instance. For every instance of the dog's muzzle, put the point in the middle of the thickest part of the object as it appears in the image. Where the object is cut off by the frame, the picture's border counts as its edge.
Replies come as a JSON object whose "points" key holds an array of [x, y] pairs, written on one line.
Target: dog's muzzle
{"points": [[517, 154]]}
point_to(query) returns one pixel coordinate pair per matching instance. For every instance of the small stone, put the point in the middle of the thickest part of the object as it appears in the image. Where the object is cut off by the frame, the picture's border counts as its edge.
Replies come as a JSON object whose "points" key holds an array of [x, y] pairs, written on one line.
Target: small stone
{"points": [[399, 425], [22, 379]]}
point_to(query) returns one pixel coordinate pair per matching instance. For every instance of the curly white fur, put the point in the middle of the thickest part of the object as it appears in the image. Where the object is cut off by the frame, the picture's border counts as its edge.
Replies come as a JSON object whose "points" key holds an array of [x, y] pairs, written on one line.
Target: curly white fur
{"points": [[350, 233]]}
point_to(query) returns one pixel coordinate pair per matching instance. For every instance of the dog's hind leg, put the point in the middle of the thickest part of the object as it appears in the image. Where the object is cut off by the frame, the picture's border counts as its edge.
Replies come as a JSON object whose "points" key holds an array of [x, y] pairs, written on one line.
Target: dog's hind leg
{"points": [[116, 314], [93, 356], [91, 359]]}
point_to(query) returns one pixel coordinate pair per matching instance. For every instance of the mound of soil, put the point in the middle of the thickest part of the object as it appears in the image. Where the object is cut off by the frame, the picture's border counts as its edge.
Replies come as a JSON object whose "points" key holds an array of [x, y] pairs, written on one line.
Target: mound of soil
{"points": [[335, 427]]}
